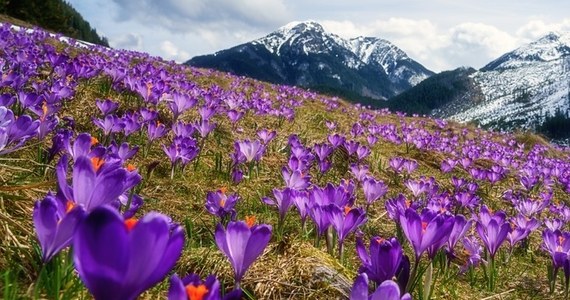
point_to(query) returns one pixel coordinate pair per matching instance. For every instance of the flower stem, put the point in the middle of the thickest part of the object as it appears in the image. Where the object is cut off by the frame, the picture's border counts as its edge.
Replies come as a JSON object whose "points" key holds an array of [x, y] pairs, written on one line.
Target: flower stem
{"points": [[428, 281], [412, 279]]}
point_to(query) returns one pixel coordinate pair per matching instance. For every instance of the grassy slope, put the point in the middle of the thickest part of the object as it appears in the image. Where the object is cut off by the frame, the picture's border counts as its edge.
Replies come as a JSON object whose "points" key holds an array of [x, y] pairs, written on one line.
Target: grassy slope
{"points": [[288, 268]]}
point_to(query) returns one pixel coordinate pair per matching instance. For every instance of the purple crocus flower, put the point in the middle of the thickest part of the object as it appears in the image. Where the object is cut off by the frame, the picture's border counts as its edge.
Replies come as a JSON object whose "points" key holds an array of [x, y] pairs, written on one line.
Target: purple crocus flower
{"points": [[460, 227], [242, 243], [492, 229], [204, 128], [182, 129], [14, 132], [320, 218], [397, 206], [123, 152], [282, 201], [131, 123], [371, 139], [120, 259], [336, 140], [109, 124], [554, 224], [447, 165], [106, 106], [235, 115], [221, 205], [345, 221], [148, 115], [193, 288], [427, 231], [295, 180], [95, 181], [54, 225], [301, 201], [362, 152], [385, 261], [396, 163], [417, 187], [388, 290], [180, 103], [206, 112], [410, 166], [155, 130], [250, 151], [237, 175], [360, 172], [557, 244], [467, 199], [351, 146], [472, 248], [373, 189], [522, 227], [330, 125], [323, 151], [266, 136]]}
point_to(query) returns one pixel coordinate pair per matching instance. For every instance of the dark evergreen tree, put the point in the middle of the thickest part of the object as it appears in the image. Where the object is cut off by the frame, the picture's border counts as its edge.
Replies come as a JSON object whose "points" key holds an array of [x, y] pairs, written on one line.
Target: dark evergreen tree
{"points": [[55, 15]]}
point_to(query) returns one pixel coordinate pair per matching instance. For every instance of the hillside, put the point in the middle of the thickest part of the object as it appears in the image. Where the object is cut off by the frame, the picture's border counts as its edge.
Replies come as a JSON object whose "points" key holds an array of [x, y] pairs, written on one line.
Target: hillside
{"points": [[121, 173], [54, 15], [523, 89], [305, 54]]}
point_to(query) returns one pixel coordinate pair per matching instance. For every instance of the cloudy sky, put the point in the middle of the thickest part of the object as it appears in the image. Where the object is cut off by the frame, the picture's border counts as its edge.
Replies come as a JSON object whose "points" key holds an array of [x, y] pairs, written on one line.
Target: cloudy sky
{"points": [[440, 34]]}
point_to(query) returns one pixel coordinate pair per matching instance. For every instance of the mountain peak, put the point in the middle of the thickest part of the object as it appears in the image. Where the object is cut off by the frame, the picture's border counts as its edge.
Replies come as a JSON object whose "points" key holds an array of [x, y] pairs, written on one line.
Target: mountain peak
{"points": [[305, 54], [300, 26], [549, 47]]}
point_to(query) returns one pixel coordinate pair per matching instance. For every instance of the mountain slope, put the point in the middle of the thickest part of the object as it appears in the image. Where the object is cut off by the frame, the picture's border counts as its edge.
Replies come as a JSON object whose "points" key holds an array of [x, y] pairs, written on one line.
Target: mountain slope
{"points": [[304, 54], [515, 91]]}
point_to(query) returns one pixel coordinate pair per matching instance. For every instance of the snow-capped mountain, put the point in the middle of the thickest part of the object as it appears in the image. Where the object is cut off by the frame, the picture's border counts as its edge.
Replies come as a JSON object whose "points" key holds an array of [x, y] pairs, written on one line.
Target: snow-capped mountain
{"points": [[520, 88], [305, 54]]}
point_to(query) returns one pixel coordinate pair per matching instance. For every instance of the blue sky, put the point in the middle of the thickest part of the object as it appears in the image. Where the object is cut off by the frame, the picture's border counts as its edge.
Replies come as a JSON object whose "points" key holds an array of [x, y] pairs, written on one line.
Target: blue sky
{"points": [[440, 34]]}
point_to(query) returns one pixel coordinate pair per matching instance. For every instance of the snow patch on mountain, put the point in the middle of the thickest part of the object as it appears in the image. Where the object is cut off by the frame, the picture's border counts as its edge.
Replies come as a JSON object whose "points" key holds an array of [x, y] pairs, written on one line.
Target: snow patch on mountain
{"points": [[519, 88], [360, 51]]}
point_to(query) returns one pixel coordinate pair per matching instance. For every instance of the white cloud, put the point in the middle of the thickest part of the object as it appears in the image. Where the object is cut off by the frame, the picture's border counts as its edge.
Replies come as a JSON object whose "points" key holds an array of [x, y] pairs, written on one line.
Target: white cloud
{"points": [[171, 51], [536, 28], [477, 43], [187, 15], [127, 41], [439, 34]]}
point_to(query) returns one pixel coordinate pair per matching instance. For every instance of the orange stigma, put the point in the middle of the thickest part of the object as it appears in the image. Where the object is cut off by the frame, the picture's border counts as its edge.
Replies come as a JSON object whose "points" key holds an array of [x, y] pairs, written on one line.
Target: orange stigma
{"points": [[97, 163], [249, 220], [347, 209], [196, 292], [131, 167], [44, 110], [148, 88], [223, 190], [69, 206], [130, 223], [94, 141], [424, 226], [379, 240], [222, 202], [408, 203]]}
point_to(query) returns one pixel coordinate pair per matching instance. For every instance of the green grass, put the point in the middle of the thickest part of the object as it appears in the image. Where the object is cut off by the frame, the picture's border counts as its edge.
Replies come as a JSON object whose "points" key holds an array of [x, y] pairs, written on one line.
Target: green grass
{"points": [[291, 268]]}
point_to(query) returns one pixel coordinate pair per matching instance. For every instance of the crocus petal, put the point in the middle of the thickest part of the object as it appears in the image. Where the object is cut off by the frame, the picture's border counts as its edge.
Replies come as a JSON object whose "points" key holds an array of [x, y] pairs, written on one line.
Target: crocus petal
{"points": [[360, 288], [388, 290], [83, 181], [177, 291], [101, 254]]}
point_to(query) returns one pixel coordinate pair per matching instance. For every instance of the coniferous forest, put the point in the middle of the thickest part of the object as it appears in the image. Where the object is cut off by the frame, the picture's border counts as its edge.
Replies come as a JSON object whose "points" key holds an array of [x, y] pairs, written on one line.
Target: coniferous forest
{"points": [[54, 15]]}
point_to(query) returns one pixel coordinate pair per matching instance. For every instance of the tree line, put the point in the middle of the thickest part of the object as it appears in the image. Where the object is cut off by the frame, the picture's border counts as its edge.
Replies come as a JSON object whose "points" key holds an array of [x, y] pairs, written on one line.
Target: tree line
{"points": [[54, 15]]}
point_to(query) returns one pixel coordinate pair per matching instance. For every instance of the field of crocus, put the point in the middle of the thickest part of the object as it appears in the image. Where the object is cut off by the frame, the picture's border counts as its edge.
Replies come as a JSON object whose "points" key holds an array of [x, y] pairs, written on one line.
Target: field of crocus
{"points": [[124, 176]]}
